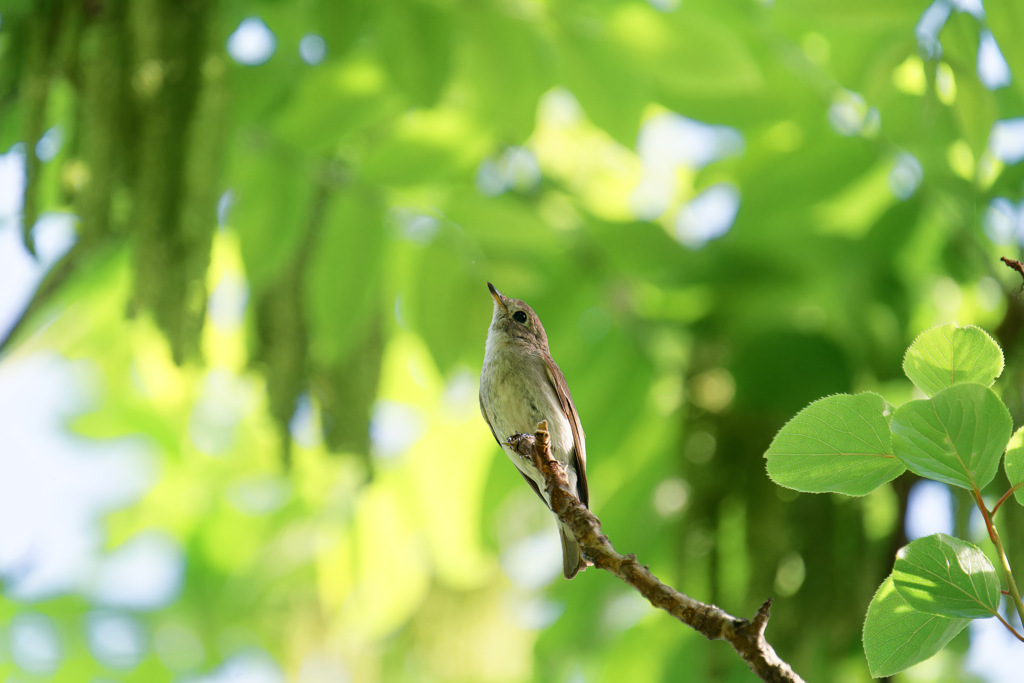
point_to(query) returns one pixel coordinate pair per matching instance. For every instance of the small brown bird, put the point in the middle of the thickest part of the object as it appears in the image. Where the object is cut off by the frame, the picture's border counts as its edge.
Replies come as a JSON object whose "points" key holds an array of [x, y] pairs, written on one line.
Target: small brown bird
{"points": [[520, 385]]}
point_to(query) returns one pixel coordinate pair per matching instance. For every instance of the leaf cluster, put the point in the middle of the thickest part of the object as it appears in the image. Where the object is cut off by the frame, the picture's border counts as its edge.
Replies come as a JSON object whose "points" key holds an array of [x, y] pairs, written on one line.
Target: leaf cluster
{"points": [[852, 444]]}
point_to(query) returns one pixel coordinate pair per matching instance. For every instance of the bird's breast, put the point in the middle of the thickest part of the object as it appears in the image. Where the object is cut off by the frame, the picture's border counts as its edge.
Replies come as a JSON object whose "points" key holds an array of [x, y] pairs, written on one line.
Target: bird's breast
{"points": [[518, 395]]}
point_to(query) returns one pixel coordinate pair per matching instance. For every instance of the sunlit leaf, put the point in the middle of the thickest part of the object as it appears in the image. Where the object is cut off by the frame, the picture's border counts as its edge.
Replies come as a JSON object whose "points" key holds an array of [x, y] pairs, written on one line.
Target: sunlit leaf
{"points": [[940, 574], [897, 636], [949, 354], [956, 437], [1014, 464], [839, 444]]}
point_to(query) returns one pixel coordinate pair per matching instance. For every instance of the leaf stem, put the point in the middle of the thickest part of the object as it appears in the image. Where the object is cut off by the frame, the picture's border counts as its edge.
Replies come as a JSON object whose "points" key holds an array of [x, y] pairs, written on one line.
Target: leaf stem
{"points": [[1009, 627], [1010, 583], [1004, 498]]}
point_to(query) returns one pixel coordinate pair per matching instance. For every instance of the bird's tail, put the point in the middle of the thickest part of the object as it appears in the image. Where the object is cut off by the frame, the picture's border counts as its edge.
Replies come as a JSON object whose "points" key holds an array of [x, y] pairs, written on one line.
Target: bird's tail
{"points": [[572, 562]]}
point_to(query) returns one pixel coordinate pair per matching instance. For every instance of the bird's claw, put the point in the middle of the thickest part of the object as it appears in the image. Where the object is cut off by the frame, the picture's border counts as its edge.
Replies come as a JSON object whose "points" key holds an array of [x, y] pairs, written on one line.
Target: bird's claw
{"points": [[521, 443]]}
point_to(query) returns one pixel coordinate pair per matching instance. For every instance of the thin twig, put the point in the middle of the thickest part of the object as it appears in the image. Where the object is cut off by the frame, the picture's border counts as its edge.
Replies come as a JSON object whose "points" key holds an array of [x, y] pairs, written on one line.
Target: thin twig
{"points": [[1014, 264], [1004, 498], [1009, 627], [993, 534], [746, 637]]}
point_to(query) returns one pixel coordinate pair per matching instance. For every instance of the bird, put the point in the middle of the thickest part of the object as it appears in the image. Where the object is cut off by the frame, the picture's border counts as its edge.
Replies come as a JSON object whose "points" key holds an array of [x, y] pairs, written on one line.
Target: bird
{"points": [[520, 385]]}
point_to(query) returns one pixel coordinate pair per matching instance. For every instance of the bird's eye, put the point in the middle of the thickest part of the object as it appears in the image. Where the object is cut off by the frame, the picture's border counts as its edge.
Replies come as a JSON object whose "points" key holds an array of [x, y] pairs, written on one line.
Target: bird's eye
{"points": [[519, 317]]}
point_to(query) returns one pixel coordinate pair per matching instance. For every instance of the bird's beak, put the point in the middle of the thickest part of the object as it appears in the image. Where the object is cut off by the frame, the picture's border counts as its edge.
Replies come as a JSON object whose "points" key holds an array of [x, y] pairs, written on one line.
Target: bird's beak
{"points": [[498, 298]]}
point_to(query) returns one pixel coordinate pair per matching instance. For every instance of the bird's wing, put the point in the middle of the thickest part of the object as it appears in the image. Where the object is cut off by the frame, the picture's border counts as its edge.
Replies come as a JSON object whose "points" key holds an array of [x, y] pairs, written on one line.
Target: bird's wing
{"points": [[531, 482], [557, 380], [487, 419]]}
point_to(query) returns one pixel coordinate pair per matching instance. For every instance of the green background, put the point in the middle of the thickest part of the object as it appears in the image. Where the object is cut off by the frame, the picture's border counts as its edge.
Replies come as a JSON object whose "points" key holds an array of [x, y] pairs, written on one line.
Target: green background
{"points": [[277, 292]]}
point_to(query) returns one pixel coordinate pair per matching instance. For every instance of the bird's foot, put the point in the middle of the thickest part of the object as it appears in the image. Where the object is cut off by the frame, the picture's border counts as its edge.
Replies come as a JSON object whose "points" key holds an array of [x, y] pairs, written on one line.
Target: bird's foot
{"points": [[522, 444]]}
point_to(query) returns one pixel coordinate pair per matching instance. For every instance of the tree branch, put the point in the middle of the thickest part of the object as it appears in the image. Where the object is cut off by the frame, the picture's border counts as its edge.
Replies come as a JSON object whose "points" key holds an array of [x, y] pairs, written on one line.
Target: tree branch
{"points": [[746, 637]]}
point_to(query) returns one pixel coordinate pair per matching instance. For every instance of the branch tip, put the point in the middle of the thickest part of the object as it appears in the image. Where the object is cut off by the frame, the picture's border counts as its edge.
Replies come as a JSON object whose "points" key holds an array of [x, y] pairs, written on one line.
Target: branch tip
{"points": [[762, 616]]}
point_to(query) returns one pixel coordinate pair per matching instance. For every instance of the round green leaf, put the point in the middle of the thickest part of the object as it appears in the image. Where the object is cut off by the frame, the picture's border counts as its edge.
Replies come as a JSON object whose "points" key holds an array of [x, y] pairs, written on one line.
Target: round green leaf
{"points": [[1014, 463], [949, 354], [957, 437], [940, 574], [897, 636], [837, 444]]}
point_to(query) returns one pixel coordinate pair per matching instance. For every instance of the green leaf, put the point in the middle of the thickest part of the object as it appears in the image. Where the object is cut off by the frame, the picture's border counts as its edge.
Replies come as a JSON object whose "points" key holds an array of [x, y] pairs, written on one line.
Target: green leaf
{"points": [[957, 437], [603, 75], [415, 44], [345, 272], [359, 93], [443, 272], [975, 107], [273, 191], [1006, 21], [695, 35], [940, 574], [837, 444], [897, 636], [1014, 463], [950, 354], [425, 145], [504, 92]]}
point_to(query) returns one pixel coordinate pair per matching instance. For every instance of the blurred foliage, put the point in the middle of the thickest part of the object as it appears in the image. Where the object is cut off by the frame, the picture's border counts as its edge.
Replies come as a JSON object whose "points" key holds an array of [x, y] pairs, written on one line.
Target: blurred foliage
{"points": [[355, 202]]}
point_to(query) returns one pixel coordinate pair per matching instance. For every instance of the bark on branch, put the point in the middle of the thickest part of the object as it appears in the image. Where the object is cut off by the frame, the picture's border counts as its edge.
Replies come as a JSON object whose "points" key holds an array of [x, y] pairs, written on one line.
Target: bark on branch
{"points": [[745, 636]]}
